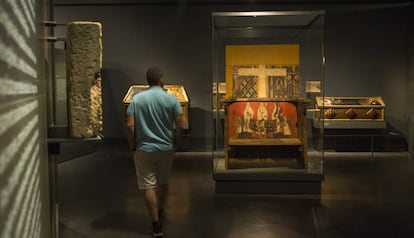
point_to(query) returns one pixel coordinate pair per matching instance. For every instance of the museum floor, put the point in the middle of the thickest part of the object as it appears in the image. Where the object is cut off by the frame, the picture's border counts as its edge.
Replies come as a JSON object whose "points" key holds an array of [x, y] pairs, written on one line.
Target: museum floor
{"points": [[361, 197]]}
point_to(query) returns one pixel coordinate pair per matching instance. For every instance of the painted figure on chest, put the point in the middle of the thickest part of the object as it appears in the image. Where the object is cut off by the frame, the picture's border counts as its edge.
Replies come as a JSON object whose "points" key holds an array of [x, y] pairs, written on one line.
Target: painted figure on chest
{"points": [[262, 116], [247, 118]]}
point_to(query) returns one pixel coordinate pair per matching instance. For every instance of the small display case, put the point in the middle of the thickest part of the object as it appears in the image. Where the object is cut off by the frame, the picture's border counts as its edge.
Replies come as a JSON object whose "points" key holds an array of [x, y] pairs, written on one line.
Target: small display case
{"points": [[176, 90], [350, 113]]}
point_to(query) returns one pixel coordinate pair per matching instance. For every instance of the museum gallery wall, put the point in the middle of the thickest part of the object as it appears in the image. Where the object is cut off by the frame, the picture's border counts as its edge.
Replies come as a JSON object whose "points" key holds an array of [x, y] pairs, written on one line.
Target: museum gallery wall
{"points": [[24, 164], [360, 60]]}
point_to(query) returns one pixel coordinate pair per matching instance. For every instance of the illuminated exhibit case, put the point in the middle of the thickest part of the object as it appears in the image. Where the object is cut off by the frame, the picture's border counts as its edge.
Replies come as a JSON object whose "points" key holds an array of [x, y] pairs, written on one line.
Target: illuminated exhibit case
{"points": [[176, 90], [263, 60], [350, 113]]}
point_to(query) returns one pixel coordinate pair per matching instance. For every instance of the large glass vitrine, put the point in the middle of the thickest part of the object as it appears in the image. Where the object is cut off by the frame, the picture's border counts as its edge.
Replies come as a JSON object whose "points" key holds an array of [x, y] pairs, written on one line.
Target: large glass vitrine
{"points": [[268, 70]]}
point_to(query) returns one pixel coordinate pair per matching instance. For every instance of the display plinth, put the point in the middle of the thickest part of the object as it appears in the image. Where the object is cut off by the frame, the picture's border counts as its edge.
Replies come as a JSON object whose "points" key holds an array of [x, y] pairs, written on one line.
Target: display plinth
{"points": [[362, 140], [273, 180], [176, 90]]}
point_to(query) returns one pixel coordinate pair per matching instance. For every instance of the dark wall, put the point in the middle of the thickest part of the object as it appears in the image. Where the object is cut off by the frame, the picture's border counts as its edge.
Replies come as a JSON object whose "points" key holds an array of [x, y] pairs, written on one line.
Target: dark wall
{"points": [[410, 98], [137, 37], [366, 51], [366, 55]]}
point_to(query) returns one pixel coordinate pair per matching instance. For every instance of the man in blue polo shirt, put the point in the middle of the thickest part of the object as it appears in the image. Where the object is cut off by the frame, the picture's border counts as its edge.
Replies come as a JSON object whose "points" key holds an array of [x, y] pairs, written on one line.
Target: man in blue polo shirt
{"points": [[150, 121]]}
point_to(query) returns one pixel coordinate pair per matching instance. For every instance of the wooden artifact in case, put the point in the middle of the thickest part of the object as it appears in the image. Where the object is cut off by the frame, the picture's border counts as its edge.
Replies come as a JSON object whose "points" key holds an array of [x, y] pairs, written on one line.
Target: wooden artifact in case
{"points": [[350, 113], [265, 133], [264, 116], [177, 90]]}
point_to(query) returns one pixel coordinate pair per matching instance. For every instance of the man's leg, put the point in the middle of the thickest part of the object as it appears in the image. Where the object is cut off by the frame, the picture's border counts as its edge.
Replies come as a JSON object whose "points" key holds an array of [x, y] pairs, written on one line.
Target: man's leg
{"points": [[151, 202], [163, 193], [165, 162], [147, 181]]}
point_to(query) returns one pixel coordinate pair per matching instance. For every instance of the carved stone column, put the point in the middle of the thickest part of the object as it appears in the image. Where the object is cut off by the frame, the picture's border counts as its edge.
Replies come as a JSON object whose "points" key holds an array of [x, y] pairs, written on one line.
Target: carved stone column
{"points": [[84, 64]]}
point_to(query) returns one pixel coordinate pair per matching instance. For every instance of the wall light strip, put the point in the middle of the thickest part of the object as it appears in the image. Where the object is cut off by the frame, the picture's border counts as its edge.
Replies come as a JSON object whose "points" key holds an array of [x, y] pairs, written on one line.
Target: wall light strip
{"points": [[32, 191], [29, 7], [14, 179], [11, 87], [22, 175], [8, 119], [12, 59], [35, 208], [20, 17], [29, 196], [14, 33]]}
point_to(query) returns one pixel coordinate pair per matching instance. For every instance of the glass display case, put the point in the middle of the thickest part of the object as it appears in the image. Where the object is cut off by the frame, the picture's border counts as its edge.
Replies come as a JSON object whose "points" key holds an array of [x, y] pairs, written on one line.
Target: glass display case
{"points": [[350, 112], [270, 69]]}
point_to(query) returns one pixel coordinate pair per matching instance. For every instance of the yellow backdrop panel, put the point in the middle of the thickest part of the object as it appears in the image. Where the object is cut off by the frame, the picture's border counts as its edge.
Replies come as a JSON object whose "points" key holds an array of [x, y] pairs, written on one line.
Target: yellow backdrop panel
{"points": [[280, 55]]}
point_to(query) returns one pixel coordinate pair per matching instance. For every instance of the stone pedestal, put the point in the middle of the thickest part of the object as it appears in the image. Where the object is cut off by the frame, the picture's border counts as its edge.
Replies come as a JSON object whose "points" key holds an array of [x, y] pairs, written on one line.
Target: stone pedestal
{"points": [[84, 64]]}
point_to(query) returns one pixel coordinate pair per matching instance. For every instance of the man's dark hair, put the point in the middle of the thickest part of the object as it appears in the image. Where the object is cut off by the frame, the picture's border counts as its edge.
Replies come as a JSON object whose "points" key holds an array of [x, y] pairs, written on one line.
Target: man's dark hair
{"points": [[154, 75]]}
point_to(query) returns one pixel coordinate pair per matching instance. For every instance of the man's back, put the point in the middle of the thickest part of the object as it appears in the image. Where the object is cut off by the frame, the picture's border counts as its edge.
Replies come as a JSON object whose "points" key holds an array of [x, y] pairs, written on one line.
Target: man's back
{"points": [[154, 112], [150, 118]]}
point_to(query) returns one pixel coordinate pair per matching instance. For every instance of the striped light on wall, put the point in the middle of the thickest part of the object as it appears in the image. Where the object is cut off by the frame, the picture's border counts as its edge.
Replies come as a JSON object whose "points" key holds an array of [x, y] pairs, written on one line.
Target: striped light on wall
{"points": [[24, 184]]}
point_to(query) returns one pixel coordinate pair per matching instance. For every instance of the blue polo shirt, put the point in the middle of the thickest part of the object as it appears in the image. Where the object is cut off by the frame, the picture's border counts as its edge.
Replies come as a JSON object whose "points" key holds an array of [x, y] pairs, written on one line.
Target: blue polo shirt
{"points": [[154, 111]]}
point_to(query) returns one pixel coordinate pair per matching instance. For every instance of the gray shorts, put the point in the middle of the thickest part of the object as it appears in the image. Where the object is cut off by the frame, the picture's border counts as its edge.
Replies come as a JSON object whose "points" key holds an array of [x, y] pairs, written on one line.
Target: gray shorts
{"points": [[153, 168]]}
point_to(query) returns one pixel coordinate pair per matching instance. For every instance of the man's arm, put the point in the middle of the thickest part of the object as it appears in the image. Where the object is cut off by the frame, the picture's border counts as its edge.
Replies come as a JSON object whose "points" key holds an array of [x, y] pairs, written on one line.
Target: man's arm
{"points": [[131, 132], [178, 129]]}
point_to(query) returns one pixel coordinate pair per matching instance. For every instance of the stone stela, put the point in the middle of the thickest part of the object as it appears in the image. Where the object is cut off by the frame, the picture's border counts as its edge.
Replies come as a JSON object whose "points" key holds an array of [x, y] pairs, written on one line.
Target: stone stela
{"points": [[83, 70]]}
